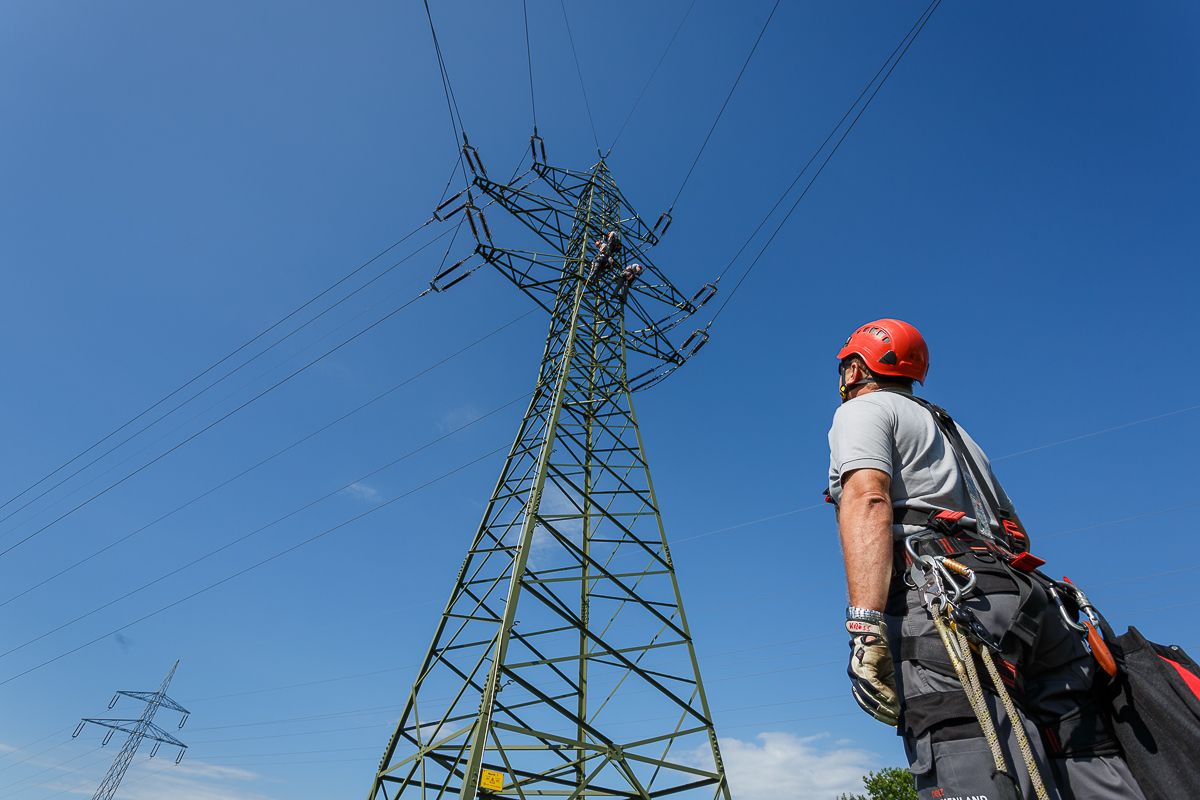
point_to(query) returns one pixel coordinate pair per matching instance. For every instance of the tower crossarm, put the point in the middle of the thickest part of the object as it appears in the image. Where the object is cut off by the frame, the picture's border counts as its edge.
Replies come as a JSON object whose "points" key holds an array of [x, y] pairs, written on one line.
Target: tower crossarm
{"points": [[155, 732], [570, 184], [119, 725], [150, 697], [531, 272], [652, 305], [550, 218]]}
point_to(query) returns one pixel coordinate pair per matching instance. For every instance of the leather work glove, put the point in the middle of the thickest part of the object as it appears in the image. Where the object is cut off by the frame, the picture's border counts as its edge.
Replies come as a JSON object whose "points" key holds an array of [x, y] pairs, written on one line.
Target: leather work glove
{"points": [[871, 671]]}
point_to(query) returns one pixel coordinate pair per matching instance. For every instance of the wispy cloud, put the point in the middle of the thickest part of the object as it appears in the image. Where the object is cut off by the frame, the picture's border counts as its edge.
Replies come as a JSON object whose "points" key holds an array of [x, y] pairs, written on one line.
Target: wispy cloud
{"points": [[361, 491], [195, 780], [457, 417], [783, 766]]}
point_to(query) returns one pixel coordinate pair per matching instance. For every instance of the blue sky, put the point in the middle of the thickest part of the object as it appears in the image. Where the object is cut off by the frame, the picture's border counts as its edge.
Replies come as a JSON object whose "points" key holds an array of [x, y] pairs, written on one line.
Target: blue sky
{"points": [[177, 176]]}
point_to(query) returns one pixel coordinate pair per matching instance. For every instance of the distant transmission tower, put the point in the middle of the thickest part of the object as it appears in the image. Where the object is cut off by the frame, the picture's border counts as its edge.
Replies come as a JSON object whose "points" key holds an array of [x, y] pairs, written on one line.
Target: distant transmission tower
{"points": [[563, 664], [138, 729]]}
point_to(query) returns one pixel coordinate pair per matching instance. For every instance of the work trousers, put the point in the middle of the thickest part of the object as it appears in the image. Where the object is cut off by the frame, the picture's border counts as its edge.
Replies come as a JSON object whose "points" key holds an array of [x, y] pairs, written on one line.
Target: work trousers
{"points": [[947, 754]]}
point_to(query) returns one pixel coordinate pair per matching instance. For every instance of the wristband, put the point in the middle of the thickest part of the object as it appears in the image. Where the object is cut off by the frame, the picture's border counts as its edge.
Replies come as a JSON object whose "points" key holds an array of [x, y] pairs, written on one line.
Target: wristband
{"points": [[864, 614]]}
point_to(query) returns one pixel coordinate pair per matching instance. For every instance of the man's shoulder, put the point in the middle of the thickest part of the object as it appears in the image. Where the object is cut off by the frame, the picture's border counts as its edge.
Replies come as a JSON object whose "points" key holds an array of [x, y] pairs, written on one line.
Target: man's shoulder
{"points": [[863, 408], [877, 402]]}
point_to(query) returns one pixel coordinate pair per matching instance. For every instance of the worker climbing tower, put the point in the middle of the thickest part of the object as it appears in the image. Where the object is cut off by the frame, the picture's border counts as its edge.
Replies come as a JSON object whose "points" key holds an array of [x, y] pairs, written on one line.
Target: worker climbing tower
{"points": [[563, 664]]}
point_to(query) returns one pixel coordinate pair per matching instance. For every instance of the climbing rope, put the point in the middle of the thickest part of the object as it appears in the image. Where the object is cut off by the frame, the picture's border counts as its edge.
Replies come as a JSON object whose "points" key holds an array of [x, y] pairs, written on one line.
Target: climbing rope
{"points": [[961, 651]]}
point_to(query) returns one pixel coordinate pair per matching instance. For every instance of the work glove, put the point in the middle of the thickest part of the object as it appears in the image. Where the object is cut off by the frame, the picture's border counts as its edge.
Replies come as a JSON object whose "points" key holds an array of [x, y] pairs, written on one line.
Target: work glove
{"points": [[871, 671]]}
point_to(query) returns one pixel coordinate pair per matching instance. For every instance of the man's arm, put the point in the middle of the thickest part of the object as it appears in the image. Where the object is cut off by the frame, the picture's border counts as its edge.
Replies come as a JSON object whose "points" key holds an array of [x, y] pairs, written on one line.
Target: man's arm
{"points": [[865, 527]]}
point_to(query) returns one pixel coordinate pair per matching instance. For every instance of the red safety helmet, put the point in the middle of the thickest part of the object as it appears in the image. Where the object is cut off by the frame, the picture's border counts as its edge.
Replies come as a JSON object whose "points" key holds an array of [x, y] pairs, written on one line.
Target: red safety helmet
{"points": [[889, 347]]}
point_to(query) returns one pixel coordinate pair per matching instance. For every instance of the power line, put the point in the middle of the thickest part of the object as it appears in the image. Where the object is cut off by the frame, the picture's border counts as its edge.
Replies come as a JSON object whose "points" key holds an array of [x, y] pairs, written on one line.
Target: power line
{"points": [[339, 490], [458, 130], [529, 62], [296, 443], [279, 554], [778, 516], [219, 420], [579, 72], [650, 79], [38, 754], [721, 112], [820, 148], [219, 361], [1100, 432], [222, 378], [906, 43]]}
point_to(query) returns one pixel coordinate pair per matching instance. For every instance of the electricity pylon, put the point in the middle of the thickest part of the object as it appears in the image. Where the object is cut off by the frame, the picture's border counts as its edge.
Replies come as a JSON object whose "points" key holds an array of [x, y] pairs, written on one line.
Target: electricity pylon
{"points": [[138, 729], [563, 664]]}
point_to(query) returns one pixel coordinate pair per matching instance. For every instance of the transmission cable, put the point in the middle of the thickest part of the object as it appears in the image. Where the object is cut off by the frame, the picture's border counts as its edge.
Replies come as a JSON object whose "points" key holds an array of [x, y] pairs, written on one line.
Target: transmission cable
{"points": [[529, 63], [820, 148], [228, 374], [220, 419], [267, 526], [268, 459], [728, 97], [458, 130], [220, 361], [279, 554], [305, 349], [579, 72], [650, 79], [906, 43]]}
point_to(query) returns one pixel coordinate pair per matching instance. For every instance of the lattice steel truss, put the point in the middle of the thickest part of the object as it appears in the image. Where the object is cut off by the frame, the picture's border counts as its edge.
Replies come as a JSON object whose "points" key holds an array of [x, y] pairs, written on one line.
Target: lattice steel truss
{"points": [[138, 729], [563, 664]]}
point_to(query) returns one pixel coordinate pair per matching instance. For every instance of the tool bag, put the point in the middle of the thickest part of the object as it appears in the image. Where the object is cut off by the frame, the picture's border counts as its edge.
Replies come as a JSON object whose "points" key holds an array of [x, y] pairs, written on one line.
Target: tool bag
{"points": [[1155, 705]]}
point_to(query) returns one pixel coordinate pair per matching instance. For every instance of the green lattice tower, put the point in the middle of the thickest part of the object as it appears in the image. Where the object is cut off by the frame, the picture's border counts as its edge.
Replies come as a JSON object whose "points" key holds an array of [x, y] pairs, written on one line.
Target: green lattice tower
{"points": [[563, 664]]}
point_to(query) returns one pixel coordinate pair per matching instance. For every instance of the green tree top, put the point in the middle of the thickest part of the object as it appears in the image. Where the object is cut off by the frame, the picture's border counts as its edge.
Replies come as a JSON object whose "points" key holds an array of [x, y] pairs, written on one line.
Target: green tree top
{"points": [[889, 783]]}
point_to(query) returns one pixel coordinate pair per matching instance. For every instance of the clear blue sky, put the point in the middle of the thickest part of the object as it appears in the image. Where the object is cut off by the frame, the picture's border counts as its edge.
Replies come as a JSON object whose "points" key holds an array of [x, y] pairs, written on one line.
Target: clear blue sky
{"points": [[179, 175]]}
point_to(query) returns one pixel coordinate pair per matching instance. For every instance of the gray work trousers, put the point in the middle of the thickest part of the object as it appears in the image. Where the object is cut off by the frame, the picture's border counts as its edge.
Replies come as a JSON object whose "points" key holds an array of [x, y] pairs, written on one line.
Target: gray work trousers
{"points": [[955, 762]]}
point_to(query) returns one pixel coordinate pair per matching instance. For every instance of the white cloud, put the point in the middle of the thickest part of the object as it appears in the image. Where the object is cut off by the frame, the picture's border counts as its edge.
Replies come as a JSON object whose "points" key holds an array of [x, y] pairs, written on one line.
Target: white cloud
{"points": [[361, 491], [783, 766], [155, 779], [456, 418]]}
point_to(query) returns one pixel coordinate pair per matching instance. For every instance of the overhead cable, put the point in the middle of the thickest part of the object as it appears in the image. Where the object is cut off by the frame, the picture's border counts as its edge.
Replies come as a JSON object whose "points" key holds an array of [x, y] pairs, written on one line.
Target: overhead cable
{"points": [[902, 49], [579, 71], [224, 377], [294, 512], [650, 79], [218, 421], [721, 112], [279, 554], [529, 62], [458, 130], [218, 362], [296, 443]]}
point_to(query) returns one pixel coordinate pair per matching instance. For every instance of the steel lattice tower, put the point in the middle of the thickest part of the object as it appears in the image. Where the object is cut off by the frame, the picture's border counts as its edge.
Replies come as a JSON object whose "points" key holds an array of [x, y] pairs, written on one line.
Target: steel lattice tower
{"points": [[563, 664], [138, 729]]}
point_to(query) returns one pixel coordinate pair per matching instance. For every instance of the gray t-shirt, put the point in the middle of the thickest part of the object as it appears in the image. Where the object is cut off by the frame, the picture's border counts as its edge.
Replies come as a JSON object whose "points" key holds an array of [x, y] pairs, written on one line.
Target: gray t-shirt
{"points": [[889, 432]]}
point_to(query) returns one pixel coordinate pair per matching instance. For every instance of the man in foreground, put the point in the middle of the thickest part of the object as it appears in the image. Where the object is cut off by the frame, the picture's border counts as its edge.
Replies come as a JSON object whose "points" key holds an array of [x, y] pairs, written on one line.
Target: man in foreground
{"points": [[939, 599]]}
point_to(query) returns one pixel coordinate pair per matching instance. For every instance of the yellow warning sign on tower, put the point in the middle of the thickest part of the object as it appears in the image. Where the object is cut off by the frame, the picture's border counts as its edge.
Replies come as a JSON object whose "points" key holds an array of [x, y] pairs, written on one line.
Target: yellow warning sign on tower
{"points": [[491, 780]]}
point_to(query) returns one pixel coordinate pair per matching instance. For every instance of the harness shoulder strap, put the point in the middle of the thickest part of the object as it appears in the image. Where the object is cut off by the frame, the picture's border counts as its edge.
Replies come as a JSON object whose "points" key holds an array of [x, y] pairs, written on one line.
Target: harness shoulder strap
{"points": [[978, 484]]}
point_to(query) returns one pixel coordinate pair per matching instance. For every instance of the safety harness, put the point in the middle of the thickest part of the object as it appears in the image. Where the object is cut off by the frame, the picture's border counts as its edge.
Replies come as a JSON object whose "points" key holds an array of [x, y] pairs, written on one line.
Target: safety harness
{"points": [[949, 558]]}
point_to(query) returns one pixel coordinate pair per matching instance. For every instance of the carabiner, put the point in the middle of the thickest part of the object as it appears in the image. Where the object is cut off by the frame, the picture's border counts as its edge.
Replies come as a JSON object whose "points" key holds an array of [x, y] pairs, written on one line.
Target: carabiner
{"points": [[1062, 610]]}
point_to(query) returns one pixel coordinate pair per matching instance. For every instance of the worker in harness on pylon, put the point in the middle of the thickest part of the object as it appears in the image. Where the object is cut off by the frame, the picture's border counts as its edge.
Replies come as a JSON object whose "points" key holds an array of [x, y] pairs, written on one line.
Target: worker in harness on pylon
{"points": [[608, 247], [954, 630], [628, 277]]}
